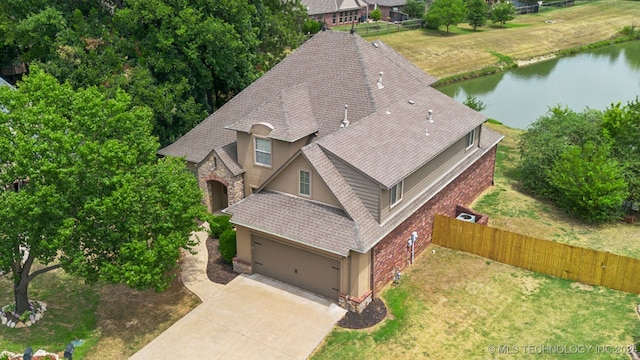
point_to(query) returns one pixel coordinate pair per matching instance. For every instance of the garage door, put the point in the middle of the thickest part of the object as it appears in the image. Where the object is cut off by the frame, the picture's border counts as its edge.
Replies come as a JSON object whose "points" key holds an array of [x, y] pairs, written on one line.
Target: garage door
{"points": [[306, 270]]}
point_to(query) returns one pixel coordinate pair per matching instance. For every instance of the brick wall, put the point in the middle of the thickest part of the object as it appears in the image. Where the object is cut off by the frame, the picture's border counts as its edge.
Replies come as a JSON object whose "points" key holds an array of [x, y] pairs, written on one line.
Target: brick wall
{"points": [[392, 251]]}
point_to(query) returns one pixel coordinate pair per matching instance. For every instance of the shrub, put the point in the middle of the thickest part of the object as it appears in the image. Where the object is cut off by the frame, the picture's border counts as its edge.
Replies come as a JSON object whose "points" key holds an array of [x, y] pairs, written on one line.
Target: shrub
{"points": [[218, 225], [228, 245]]}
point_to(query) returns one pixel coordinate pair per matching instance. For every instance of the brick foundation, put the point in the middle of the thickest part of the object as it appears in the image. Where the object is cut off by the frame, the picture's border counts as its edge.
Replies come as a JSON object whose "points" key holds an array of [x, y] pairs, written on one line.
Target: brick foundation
{"points": [[392, 252], [242, 266], [356, 305]]}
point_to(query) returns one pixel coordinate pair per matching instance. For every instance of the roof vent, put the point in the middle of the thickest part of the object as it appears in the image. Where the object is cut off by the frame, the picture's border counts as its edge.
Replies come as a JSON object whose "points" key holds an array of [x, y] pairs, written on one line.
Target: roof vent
{"points": [[380, 86], [412, 102], [375, 44], [430, 117], [388, 112], [345, 122]]}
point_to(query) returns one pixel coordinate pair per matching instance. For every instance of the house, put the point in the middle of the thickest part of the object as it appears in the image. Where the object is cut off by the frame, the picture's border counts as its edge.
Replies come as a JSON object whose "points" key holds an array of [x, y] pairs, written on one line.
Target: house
{"points": [[328, 164], [391, 9], [334, 13]]}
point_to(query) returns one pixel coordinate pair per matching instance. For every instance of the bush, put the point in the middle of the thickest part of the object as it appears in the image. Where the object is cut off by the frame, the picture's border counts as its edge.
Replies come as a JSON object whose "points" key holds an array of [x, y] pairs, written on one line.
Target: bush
{"points": [[228, 245], [218, 225]]}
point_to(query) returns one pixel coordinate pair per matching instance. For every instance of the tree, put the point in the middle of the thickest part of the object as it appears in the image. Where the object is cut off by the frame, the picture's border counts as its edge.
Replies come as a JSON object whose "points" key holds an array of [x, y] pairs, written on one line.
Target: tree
{"points": [[446, 12], [589, 183], [192, 56], [503, 12], [415, 9], [621, 124], [84, 191], [474, 103], [376, 14], [478, 12], [548, 138]]}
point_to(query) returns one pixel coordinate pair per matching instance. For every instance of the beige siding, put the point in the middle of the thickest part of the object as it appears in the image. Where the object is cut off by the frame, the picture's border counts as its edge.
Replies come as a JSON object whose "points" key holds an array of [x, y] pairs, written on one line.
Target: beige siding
{"points": [[417, 182], [359, 274], [281, 151], [288, 181], [243, 243], [365, 188]]}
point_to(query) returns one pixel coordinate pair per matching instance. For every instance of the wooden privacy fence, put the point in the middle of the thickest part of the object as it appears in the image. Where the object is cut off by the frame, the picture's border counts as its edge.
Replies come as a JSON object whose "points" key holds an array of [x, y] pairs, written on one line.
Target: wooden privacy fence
{"points": [[587, 266]]}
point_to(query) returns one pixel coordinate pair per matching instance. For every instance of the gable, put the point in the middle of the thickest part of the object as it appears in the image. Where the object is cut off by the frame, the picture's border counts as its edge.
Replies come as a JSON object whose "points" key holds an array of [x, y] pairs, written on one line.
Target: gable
{"points": [[287, 180]]}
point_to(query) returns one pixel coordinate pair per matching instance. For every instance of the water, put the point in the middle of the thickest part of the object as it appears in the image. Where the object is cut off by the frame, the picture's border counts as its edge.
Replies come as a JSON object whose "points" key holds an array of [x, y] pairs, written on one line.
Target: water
{"points": [[593, 79]]}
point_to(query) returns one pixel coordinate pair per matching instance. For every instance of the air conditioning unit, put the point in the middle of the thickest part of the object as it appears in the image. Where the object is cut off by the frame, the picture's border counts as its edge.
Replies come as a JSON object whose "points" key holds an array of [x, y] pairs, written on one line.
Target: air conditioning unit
{"points": [[466, 217]]}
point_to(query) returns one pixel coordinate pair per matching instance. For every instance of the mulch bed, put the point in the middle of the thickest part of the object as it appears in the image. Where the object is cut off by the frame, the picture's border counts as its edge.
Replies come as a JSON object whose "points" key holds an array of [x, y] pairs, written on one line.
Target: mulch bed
{"points": [[218, 270], [372, 314]]}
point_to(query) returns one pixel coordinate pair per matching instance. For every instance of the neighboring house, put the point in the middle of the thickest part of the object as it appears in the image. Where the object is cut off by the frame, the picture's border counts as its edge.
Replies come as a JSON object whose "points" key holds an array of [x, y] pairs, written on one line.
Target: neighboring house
{"points": [[391, 9], [329, 163], [335, 12]]}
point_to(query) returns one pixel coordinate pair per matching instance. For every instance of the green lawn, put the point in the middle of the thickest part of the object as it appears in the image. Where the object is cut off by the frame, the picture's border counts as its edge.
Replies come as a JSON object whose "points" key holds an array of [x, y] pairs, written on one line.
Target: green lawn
{"points": [[71, 315], [454, 305]]}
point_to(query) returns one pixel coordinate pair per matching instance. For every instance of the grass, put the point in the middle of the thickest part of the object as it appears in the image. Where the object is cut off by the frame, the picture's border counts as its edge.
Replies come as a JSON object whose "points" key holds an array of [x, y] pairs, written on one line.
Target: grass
{"points": [[450, 304], [113, 320], [456, 305], [527, 37], [71, 315], [510, 207]]}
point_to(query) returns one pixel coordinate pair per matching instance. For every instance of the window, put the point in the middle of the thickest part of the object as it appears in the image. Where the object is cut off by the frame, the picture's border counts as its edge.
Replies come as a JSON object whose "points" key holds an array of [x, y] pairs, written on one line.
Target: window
{"points": [[263, 151], [305, 183], [471, 138], [396, 193]]}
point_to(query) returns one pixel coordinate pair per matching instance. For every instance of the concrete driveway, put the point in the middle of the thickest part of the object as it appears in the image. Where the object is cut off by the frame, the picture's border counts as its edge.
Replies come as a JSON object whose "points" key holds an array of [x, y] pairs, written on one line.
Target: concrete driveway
{"points": [[252, 317]]}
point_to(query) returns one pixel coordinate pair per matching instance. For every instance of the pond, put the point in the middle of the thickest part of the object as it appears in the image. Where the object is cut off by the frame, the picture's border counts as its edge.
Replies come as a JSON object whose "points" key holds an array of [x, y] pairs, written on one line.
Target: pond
{"points": [[594, 79]]}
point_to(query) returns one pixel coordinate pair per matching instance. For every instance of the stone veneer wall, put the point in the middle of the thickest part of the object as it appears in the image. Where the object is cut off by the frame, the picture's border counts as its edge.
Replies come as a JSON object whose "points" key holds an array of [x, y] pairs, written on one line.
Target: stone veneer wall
{"points": [[392, 251], [213, 169]]}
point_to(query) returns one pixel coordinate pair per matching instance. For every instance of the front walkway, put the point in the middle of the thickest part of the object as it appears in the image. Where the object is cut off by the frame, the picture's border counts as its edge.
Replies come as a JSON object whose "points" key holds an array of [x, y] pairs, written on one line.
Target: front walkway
{"points": [[252, 317]]}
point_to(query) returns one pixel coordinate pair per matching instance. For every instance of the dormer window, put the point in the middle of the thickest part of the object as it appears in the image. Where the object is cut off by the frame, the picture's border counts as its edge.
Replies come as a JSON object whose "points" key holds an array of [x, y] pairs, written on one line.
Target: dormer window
{"points": [[262, 151], [471, 138], [396, 193]]}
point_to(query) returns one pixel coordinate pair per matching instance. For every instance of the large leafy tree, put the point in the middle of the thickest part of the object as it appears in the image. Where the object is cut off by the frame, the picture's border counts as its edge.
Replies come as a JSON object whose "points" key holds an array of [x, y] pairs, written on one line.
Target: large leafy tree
{"points": [[589, 183], [586, 162], [181, 58], [503, 12], [621, 124], [445, 13], [83, 190], [415, 9], [546, 139], [478, 12]]}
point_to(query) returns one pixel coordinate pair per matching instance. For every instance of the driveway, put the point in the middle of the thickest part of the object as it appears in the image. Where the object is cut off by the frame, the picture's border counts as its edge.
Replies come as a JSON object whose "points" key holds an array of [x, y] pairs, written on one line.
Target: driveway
{"points": [[252, 317]]}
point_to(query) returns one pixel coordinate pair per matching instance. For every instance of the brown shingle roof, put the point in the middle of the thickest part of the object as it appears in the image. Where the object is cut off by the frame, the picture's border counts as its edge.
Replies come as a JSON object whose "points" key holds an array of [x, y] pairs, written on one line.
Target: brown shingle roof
{"points": [[333, 68], [296, 219], [289, 112], [392, 143], [337, 231]]}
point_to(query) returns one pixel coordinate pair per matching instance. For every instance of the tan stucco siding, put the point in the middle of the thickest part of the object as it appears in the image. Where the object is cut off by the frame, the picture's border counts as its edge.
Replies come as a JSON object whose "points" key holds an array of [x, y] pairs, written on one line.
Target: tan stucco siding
{"points": [[365, 188], [243, 243], [281, 151], [359, 274], [421, 179], [288, 181]]}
